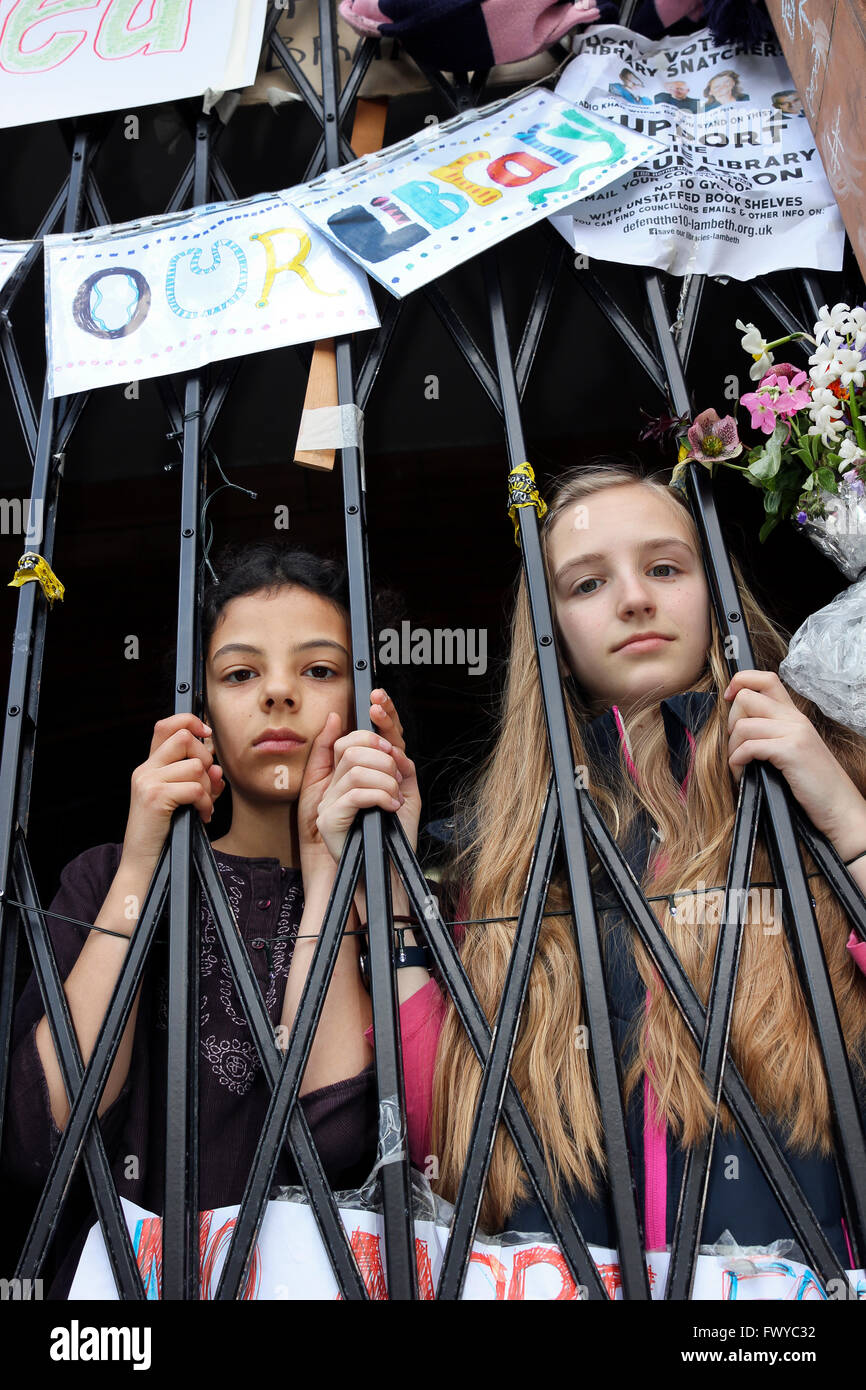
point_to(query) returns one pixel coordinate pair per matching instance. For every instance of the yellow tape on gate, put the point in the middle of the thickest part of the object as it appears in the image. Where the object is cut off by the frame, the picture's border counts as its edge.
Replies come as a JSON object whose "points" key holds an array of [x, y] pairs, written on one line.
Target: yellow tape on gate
{"points": [[35, 566], [522, 492]]}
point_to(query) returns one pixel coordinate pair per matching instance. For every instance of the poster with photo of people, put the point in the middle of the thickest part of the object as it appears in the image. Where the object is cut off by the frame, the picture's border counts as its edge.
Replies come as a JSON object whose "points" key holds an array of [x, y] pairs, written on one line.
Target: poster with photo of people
{"points": [[739, 188]]}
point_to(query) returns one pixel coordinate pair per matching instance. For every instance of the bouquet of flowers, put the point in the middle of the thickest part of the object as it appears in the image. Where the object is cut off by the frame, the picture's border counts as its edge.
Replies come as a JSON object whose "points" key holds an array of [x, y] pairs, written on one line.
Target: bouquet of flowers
{"points": [[811, 467]]}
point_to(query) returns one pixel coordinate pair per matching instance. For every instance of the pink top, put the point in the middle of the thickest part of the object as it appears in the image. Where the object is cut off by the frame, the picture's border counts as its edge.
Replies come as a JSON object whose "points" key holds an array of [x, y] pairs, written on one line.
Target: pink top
{"points": [[420, 1025]]}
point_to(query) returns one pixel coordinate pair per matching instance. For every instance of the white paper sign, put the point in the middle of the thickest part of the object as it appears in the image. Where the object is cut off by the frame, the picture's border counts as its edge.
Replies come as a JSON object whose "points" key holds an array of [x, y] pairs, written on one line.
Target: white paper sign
{"points": [[79, 56], [739, 188], [413, 211], [289, 1262], [12, 253], [141, 299]]}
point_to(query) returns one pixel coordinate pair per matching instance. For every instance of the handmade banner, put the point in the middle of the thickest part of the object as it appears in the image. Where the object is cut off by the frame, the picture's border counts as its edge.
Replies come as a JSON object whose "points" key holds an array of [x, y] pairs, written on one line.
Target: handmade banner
{"points": [[170, 294], [411, 212], [12, 253], [79, 56], [289, 1262], [739, 188]]}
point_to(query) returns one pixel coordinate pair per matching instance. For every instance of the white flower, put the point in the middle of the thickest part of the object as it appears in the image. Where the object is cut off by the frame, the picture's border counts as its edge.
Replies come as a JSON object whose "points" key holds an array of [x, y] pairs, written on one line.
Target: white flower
{"points": [[753, 343], [850, 452], [851, 364], [858, 316], [825, 365], [826, 412], [860, 339], [833, 320]]}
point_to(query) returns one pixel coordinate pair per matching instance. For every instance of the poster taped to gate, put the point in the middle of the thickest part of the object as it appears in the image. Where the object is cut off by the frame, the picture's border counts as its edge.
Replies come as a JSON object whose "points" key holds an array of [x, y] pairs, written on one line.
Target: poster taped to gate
{"points": [[289, 1261], [738, 189], [108, 55], [413, 211], [173, 293]]}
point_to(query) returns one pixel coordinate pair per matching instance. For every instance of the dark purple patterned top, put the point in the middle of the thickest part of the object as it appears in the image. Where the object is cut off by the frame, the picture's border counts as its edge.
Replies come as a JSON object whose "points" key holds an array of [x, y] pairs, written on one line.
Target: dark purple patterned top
{"points": [[267, 902]]}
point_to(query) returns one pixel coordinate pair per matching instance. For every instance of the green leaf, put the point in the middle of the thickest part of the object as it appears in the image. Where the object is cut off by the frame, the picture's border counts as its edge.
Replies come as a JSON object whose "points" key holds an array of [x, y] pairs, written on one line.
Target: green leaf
{"points": [[769, 525], [771, 503], [827, 479], [769, 460]]}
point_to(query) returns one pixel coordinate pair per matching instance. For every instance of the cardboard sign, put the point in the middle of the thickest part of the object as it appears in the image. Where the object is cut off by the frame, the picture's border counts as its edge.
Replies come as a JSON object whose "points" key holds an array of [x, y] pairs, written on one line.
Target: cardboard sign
{"points": [[79, 56], [173, 293], [415, 210]]}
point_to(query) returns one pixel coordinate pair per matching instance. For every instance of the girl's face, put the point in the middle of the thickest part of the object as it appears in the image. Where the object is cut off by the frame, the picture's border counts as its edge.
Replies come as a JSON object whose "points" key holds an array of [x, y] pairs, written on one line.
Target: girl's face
{"points": [[622, 563], [276, 662]]}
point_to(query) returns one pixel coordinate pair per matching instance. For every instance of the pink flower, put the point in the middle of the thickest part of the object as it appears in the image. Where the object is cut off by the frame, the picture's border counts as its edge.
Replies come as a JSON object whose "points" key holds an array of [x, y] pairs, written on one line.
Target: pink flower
{"points": [[778, 395], [713, 440], [761, 410]]}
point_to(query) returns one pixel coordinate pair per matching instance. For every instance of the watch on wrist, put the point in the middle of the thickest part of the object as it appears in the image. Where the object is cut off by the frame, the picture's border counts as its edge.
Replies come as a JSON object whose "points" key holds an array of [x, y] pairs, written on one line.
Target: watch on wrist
{"points": [[404, 956]]}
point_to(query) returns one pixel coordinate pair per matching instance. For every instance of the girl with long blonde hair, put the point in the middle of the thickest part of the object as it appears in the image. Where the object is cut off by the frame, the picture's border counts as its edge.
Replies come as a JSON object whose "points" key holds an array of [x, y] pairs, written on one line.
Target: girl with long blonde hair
{"points": [[661, 737]]}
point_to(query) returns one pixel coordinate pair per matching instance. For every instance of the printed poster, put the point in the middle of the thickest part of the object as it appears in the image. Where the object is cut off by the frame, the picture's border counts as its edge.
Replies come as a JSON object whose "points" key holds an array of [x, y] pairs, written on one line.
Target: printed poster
{"points": [[738, 189], [172, 293], [73, 57], [412, 212]]}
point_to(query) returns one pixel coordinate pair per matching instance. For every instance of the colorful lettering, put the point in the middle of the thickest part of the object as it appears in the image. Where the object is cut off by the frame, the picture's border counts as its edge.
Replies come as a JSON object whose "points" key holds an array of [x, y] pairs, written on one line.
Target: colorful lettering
{"points": [[435, 205], [531, 1255], [57, 44], [497, 1269], [295, 265], [425, 1271], [577, 127], [164, 30], [195, 268], [453, 173], [391, 209], [367, 1250], [530, 137], [365, 236], [500, 169], [89, 297], [147, 1246]]}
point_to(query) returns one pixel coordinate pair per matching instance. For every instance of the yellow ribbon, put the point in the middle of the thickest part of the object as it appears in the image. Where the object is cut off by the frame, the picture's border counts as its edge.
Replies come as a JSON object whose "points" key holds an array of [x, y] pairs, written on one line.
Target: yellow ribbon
{"points": [[32, 565], [522, 492]]}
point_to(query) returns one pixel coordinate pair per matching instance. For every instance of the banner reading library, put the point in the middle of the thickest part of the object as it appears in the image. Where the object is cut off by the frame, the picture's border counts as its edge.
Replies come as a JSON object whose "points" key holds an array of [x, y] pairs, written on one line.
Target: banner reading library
{"points": [[738, 189], [411, 212], [80, 56]]}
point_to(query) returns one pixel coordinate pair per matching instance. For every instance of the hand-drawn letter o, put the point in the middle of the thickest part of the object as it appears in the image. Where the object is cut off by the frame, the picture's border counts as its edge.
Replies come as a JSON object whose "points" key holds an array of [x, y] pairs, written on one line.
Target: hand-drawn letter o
{"points": [[83, 314]]}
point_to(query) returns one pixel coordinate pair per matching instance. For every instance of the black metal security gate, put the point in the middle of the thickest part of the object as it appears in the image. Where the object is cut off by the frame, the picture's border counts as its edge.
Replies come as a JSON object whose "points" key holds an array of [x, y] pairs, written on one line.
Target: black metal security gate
{"points": [[187, 869]]}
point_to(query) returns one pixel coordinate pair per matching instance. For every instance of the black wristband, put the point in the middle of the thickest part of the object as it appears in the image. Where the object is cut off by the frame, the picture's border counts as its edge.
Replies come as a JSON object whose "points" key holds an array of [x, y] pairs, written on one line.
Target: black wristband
{"points": [[404, 957]]}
